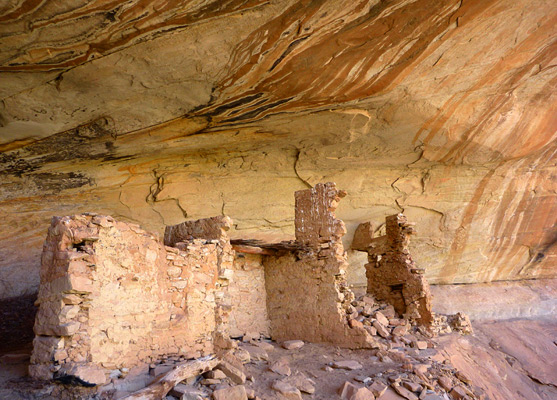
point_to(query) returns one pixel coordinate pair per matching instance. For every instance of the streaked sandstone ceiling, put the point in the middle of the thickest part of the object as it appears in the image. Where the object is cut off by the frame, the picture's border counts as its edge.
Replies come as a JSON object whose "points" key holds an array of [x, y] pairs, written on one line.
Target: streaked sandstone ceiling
{"points": [[153, 111]]}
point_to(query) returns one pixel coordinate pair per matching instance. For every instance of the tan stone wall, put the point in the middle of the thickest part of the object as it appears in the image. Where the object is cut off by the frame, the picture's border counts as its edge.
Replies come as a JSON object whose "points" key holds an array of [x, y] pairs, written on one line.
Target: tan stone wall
{"points": [[307, 300], [248, 296], [113, 296], [307, 293], [392, 274]]}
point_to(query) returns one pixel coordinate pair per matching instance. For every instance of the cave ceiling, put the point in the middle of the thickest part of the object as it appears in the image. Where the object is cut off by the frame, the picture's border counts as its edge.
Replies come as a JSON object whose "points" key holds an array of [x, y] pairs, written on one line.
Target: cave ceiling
{"points": [[156, 111]]}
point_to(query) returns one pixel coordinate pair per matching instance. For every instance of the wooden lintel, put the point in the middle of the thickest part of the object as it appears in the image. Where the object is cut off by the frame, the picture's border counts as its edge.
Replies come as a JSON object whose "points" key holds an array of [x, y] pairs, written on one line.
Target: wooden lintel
{"points": [[253, 250]]}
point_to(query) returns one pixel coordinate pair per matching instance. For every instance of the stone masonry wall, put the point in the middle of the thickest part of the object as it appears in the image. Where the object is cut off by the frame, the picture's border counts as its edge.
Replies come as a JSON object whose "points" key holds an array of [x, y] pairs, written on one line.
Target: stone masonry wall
{"points": [[392, 274], [248, 296], [113, 296], [213, 231], [307, 294]]}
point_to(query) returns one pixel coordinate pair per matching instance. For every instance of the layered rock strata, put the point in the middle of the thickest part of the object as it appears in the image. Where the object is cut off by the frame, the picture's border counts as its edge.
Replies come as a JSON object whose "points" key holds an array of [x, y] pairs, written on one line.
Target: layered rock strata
{"points": [[443, 110]]}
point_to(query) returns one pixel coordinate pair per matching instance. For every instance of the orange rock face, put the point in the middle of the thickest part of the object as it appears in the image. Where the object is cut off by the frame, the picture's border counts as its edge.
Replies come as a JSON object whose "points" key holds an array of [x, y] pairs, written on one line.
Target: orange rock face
{"points": [[152, 111]]}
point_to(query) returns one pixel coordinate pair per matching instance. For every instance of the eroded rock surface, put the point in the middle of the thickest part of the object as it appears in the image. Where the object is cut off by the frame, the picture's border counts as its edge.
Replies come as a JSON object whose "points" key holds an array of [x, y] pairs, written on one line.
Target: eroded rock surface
{"points": [[444, 110]]}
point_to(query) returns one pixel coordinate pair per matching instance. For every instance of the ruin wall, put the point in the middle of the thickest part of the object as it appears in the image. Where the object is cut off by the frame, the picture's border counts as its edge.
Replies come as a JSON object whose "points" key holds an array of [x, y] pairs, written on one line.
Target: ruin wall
{"points": [[247, 294], [113, 296], [307, 293]]}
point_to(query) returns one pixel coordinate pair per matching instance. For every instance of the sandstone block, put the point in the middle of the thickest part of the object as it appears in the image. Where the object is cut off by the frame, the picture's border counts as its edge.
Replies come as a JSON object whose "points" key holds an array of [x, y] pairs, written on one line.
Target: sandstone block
{"points": [[381, 318], [41, 371], [347, 364], [293, 344], [215, 374], [381, 329], [378, 388], [445, 383], [89, 374], [235, 374], [258, 353], [412, 386], [281, 367], [302, 383], [349, 391], [231, 393], [288, 391]]}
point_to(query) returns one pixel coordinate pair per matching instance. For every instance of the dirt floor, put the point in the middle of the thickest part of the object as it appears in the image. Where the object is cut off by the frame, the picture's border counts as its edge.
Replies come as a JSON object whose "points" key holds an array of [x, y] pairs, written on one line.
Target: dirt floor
{"points": [[512, 359]]}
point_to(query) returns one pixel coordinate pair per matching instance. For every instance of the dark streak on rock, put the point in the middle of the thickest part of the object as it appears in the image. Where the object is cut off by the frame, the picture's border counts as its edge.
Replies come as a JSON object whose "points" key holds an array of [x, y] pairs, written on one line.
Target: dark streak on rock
{"points": [[93, 141], [256, 112], [235, 103], [288, 50]]}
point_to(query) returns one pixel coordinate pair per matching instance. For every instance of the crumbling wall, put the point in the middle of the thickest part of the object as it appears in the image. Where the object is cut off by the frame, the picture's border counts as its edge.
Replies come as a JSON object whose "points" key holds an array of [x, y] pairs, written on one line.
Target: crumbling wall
{"points": [[392, 275], [112, 296], [307, 294], [248, 296], [213, 231]]}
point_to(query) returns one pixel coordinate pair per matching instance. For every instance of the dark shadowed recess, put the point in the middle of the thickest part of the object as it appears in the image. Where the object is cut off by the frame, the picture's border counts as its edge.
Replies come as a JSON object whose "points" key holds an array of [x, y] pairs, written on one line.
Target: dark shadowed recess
{"points": [[17, 317]]}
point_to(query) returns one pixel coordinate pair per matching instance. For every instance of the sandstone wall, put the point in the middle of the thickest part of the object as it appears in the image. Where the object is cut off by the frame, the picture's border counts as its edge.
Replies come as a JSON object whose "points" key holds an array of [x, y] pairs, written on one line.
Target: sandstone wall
{"points": [[307, 300], [443, 110], [248, 296], [307, 292], [113, 296]]}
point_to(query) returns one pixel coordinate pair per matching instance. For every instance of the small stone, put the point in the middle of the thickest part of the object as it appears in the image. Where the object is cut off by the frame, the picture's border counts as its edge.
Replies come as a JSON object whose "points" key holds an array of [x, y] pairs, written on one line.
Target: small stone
{"points": [[381, 318], [381, 330], [250, 393], [362, 378], [389, 312], [87, 373], [231, 393], [368, 300], [208, 382], [348, 391], [185, 392], [71, 299], [257, 353], [353, 323], [215, 374], [292, 344], [281, 367], [371, 329], [302, 383], [265, 346], [445, 383], [378, 388], [462, 377], [347, 364], [420, 344], [421, 368], [160, 369], [288, 391], [407, 394], [459, 392], [234, 373], [243, 355], [412, 386], [400, 330]]}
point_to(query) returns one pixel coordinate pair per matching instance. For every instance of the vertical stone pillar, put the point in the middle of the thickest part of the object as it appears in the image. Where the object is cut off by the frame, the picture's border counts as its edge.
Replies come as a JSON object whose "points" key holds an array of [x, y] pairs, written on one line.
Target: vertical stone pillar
{"points": [[392, 275], [62, 343], [307, 293]]}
